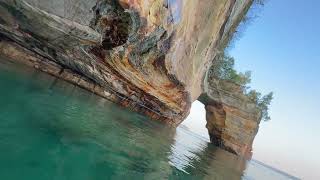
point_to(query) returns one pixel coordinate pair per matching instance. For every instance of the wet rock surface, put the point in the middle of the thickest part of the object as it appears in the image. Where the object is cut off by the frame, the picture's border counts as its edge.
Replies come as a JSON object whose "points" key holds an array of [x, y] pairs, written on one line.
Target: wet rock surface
{"points": [[148, 55]]}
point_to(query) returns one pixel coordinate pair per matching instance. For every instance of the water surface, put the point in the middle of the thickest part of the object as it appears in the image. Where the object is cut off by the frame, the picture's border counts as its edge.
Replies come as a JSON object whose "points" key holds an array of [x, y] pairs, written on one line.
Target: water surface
{"points": [[50, 129]]}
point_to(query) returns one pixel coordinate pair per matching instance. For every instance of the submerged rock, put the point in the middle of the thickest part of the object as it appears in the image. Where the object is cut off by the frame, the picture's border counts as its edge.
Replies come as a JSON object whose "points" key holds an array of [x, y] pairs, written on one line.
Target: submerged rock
{"points": [[148, 55]]}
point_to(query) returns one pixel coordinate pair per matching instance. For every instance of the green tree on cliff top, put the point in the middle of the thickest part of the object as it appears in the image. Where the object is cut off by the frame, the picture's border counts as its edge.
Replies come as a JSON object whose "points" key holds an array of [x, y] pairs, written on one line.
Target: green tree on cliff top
{"points": [[223, 68]]}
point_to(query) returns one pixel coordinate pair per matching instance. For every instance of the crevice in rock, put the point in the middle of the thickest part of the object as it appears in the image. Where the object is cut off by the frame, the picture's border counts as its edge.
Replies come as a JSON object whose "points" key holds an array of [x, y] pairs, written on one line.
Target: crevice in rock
{"points": [[112, 22]]}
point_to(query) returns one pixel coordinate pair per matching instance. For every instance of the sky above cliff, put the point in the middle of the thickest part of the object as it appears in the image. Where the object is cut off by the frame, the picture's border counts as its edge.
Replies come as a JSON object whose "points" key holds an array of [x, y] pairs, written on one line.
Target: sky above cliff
{"points": [[282, 48]]}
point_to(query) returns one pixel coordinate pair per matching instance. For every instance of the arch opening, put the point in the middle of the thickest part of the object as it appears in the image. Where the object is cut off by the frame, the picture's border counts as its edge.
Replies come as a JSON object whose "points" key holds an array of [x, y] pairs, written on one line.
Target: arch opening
{"points": [[196, 121]]}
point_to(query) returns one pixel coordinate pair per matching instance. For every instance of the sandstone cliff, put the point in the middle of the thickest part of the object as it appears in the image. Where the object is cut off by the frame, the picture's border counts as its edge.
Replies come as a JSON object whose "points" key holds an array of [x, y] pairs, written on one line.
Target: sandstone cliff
{"points": [[232, 118], [148, 55]]}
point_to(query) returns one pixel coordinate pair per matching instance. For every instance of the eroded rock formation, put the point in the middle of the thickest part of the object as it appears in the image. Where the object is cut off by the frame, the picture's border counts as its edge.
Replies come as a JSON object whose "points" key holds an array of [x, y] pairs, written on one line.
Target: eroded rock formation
{"points": [[232, 118], [148, 55]]}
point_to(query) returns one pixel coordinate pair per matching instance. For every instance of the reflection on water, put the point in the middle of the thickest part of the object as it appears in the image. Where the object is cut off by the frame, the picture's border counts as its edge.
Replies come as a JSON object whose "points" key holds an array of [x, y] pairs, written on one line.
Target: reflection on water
{"points": [[50, 129]]}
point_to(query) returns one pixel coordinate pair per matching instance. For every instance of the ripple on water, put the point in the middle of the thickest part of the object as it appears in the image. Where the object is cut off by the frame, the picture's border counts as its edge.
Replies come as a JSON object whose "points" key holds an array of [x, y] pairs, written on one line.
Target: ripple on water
{"points": [[50, 129]]}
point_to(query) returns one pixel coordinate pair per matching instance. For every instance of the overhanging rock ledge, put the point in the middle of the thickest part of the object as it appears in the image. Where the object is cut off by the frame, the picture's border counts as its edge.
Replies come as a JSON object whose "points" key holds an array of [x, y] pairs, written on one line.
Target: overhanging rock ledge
{"points": [[148, 55]]}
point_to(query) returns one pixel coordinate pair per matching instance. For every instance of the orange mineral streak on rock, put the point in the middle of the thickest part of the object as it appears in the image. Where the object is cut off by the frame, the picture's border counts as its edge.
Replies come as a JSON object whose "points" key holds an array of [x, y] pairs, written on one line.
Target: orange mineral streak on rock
{"points": [[232, 118], [171, 96]]}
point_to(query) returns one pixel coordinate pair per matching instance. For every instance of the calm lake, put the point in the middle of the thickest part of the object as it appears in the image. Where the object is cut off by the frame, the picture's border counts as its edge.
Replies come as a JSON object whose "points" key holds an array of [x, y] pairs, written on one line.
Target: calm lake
{"points": [[50, 129]]}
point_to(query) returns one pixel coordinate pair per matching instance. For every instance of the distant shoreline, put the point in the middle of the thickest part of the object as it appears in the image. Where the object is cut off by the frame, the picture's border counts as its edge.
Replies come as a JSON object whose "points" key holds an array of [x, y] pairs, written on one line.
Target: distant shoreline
{"points": [[274, 169]]}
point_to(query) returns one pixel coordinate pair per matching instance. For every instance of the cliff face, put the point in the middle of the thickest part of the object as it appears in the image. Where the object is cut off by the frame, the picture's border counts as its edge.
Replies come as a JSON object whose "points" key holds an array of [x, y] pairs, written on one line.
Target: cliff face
{"points": [[232, 118], [148, 55]]}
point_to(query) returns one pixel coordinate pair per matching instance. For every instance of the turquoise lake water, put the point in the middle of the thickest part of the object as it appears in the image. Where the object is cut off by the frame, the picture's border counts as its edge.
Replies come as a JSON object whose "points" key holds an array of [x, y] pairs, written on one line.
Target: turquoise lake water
{"points": [[50, 129]]}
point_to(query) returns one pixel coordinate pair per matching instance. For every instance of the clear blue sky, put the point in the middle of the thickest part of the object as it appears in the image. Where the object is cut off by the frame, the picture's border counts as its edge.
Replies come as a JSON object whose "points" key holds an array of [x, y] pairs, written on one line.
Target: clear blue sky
{"points": [[282, 49]]}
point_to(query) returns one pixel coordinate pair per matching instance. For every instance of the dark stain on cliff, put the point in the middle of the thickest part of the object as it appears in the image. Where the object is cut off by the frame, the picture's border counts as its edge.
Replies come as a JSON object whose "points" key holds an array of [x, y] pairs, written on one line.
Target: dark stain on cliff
{"points": [[111, 20], [17, 13], [2, 21]]}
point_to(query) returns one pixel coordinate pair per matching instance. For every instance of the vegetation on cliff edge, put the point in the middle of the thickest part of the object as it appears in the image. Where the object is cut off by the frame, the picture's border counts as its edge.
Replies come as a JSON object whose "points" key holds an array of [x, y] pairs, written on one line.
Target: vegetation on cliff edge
{"points": [[223, 68], [223, 64]]}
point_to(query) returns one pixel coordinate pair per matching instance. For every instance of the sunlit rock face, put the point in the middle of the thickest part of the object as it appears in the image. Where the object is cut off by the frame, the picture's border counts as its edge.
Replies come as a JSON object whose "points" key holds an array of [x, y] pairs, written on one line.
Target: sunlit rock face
{"points": [[147, 55], [232, 118]]}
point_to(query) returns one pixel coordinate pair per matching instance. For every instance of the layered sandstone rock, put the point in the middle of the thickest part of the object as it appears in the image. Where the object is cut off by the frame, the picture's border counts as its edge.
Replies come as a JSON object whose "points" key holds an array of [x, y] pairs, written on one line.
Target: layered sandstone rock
{"points": [[232, 118], [148, 55]]}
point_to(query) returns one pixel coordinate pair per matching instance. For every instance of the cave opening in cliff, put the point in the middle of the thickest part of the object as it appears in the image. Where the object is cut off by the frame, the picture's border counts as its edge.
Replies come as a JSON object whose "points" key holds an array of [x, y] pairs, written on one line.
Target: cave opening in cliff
{"points": [[196, 121]]}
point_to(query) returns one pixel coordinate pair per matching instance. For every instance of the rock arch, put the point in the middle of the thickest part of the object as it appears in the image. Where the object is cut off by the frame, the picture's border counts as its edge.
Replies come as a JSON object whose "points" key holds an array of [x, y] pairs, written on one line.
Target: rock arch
{"points": [[232, 118]]}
